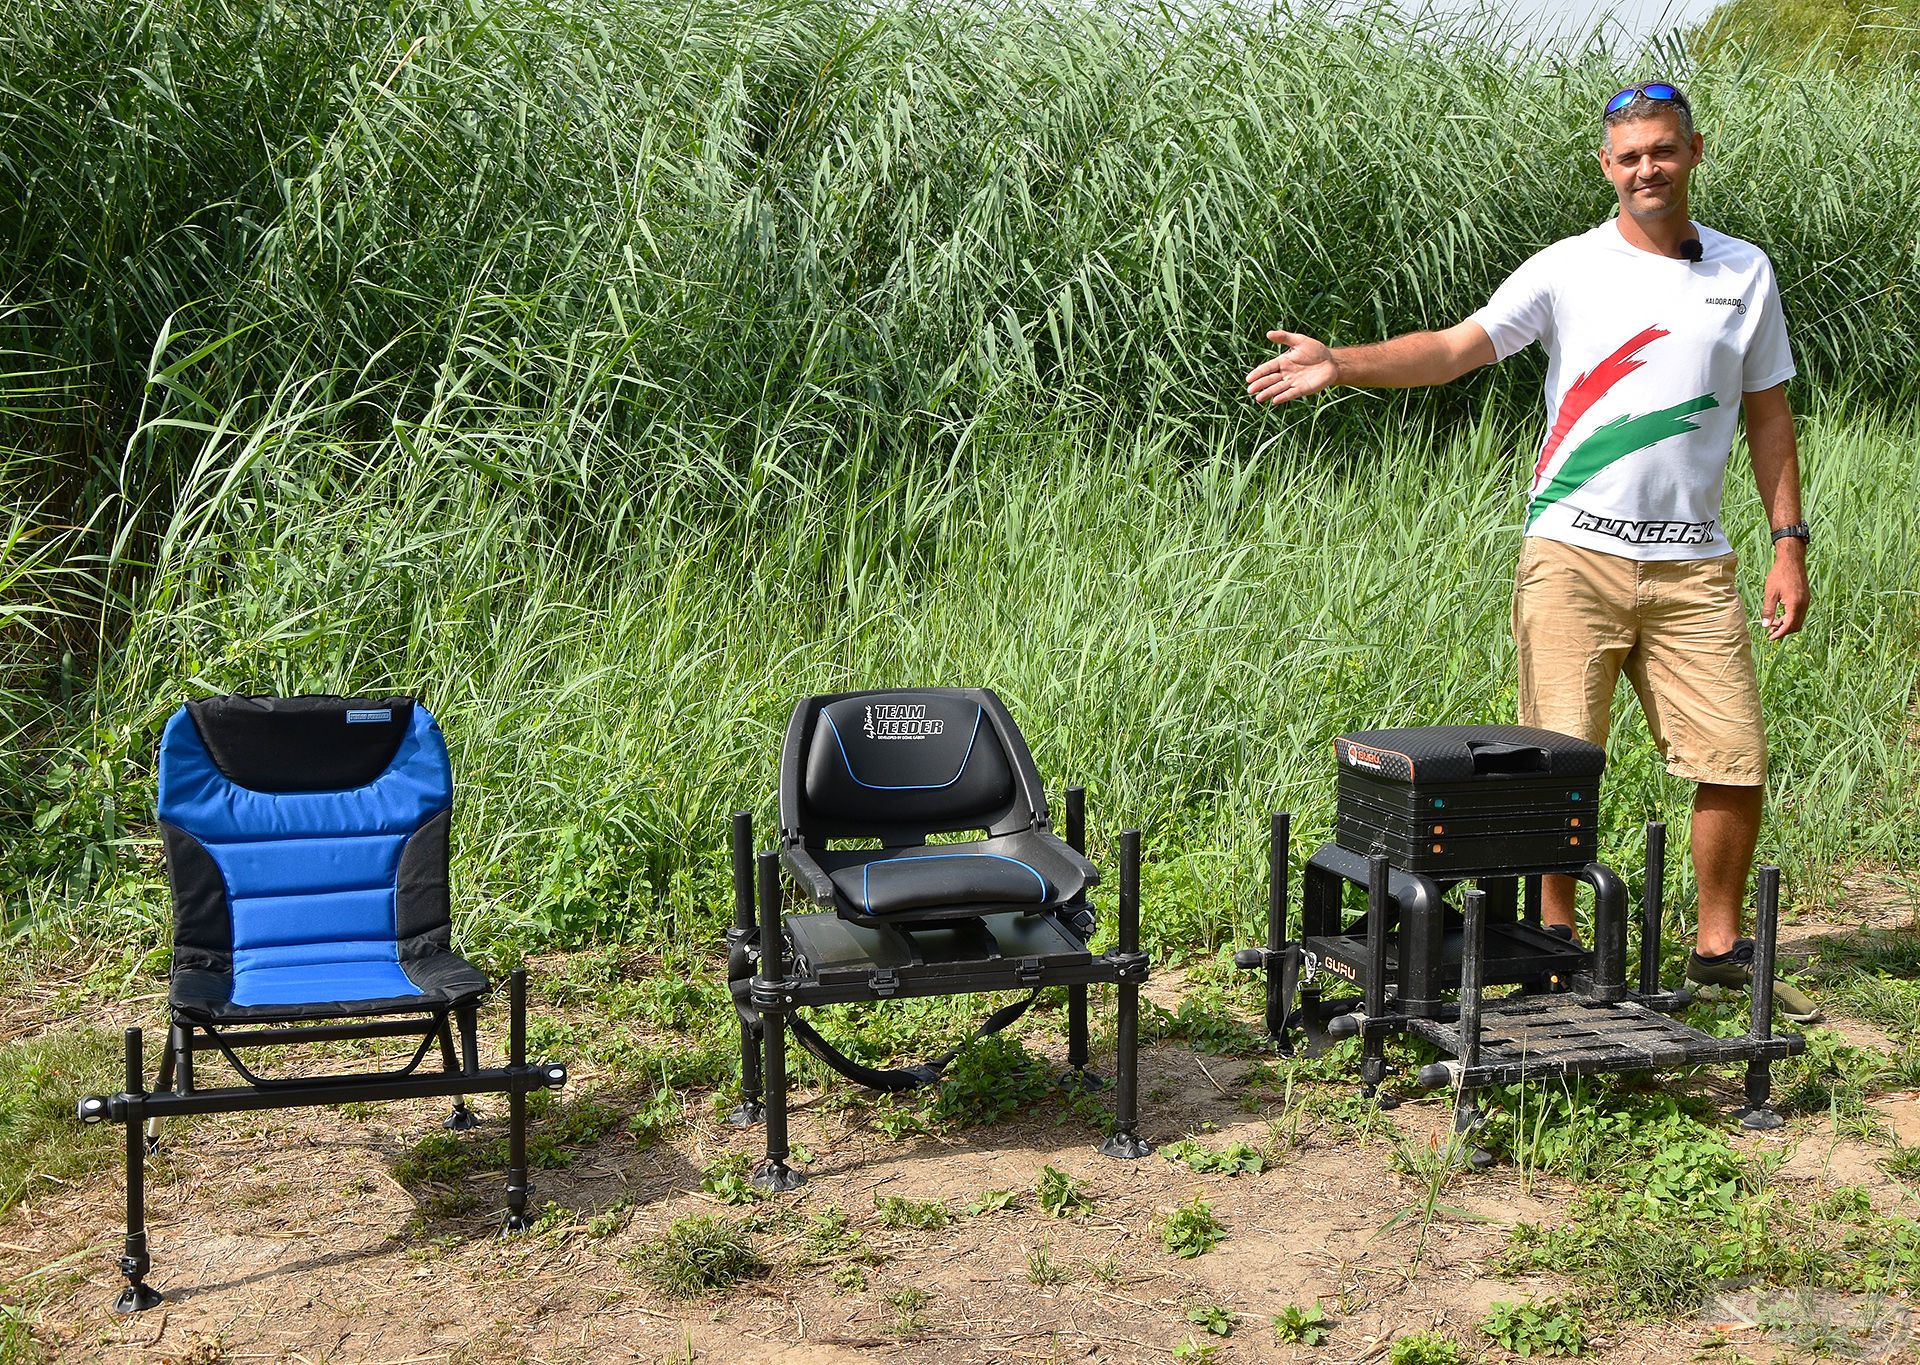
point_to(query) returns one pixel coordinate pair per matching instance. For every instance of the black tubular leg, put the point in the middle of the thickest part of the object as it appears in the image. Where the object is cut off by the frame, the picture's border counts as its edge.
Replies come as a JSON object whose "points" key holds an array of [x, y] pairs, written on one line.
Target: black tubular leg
{"points": [[1757, 1113], [1279, 838], [519, 1187], [138, 1296], [462, 1119], [1078, 1050], [1609, 931], [468, 1018], [1125, 1141], [165, 1082], [750, 1110], [1653, 907], [1373, 1045], [774, 1175], [1466, 1105]]}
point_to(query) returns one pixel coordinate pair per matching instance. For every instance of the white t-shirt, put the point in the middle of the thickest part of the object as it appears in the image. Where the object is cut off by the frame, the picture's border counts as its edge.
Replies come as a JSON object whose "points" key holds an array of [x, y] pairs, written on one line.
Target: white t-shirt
{"points": [[1647, 358]]}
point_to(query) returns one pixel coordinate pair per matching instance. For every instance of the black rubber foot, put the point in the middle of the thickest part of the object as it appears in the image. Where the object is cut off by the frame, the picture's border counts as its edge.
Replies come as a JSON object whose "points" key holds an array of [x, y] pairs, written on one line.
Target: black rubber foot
{"points": [[1479, 1158], [137, 1298], [153, 1145], [514, 1223], [1079, 1078], [747, 1114], [1126, 1147], [461, 1120], [776, 1177], [1381, 1098], [1758, 1119]]}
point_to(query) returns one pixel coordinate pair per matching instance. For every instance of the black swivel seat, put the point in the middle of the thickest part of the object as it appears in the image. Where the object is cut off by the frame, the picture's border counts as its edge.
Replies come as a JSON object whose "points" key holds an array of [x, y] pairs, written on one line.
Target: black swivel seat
{"points": [[873, 785], [307, 851]]}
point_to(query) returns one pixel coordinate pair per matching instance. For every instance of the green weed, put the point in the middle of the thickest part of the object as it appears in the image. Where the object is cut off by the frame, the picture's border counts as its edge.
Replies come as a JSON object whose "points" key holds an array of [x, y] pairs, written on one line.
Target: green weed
{"points": [[1544, 1327], [1215, 1319], [1061, 1195], [704, 1254], [924, 1214], [1425, 1348], [1298, 1326], [1236, 1158], [1192, 1230]]}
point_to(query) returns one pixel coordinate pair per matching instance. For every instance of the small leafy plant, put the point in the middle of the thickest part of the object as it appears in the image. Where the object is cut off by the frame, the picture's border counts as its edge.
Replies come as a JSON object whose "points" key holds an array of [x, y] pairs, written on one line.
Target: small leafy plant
{"points": [[1546, 1328], [1213, 1317], [1192, 1230], [1061, 1196], [925, 1214], [1299, 1326], [730, 1179], [1426, 1348], [1236, 1158]]}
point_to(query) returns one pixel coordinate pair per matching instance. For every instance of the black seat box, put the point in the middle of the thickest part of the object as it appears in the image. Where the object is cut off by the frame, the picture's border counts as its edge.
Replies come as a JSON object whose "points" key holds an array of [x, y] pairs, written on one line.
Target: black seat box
{"points": [[1469, 800]]}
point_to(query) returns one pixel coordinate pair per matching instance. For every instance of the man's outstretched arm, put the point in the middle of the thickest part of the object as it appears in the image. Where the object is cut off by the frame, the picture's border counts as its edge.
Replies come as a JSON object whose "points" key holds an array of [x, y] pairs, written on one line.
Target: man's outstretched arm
{"points": [[1411, 361]]}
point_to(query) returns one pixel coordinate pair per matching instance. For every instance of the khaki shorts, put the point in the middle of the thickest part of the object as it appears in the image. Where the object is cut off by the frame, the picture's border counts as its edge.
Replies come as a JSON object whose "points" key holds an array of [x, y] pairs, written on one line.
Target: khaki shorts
{"points": [[1678, 630]]}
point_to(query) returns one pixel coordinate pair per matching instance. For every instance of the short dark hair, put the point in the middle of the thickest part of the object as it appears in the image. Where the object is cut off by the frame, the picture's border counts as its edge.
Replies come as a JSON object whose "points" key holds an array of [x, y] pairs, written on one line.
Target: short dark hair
{"points": [[1641, 106]]}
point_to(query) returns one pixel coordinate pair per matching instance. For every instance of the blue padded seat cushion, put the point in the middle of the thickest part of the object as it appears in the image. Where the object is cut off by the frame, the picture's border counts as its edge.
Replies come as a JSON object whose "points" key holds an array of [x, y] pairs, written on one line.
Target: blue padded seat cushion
{"points": [[921, 880], [294, 900], [324, 989]]}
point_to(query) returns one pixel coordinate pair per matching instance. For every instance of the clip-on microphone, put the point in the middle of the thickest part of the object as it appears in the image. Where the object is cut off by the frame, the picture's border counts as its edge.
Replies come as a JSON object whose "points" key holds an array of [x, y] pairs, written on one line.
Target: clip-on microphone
{"points": [[1691, 250]]}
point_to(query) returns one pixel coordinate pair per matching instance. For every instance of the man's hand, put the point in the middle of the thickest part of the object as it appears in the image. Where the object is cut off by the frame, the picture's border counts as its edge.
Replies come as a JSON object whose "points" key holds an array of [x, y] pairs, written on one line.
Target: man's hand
{"points": [[1785, 598], [1305, 367]]}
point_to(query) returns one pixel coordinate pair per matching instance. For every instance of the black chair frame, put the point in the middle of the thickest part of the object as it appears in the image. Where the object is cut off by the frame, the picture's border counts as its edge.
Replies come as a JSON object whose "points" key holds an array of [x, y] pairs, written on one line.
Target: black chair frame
{"points": [[175, 1094], [773, 975]]}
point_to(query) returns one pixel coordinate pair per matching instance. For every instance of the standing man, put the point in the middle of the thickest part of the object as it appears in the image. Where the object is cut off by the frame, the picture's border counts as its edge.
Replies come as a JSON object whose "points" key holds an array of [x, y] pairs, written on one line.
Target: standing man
{"points": [[1658, 331]]}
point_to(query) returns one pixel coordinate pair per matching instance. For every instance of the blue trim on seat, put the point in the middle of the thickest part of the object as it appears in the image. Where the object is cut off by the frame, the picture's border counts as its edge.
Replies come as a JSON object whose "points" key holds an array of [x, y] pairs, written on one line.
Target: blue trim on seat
{"points": [[866, 871], [978, 712]]}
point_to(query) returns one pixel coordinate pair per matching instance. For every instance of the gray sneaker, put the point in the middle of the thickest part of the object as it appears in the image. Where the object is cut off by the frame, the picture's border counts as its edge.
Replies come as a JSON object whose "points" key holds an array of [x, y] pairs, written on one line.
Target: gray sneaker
{"points": [[1735, 968]]}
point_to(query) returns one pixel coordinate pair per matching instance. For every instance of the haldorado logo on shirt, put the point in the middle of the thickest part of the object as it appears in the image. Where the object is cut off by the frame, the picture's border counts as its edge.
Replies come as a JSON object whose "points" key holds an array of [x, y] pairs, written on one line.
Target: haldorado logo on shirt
{"points": [[1613, 440]]}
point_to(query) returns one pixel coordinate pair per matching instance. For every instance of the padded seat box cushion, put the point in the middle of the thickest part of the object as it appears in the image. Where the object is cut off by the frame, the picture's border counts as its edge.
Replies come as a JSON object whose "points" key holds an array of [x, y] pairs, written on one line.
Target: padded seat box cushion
{"points": [[913, 881]]}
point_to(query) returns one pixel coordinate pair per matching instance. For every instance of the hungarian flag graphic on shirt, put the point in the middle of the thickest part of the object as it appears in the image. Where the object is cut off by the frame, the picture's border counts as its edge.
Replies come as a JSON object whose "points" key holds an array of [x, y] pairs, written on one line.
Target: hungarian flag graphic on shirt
{"points": [[1613, 440]]}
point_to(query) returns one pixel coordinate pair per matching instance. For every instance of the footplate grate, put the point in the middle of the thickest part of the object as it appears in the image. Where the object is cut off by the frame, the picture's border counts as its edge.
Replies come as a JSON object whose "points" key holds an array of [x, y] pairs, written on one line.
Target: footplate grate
{"points": [[1539, 1037]]}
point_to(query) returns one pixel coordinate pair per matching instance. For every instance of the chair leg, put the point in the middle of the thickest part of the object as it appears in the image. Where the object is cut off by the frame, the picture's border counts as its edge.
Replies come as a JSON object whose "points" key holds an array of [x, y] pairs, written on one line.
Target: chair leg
{"points": [[165, 1082], [138, 1296], [1125, 1141], [750, 1110], [462, 1119], [519, 1187], [1076, 1076], [774, 1175]]}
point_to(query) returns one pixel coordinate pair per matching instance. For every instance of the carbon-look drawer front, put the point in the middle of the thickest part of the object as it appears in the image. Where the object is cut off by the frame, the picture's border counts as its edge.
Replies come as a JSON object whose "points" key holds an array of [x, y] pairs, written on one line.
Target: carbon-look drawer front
{"points": [[1462, 800]]}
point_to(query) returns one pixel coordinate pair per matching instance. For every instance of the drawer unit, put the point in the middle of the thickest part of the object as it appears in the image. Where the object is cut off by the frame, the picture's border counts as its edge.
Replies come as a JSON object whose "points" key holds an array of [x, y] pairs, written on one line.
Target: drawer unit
{"points": [[1469, 800]]}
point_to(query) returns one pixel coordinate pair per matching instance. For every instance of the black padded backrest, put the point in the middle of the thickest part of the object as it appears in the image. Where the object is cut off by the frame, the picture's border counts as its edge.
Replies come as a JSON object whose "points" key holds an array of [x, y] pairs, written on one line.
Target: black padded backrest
{"points": [[301, 744], [898, 766]]}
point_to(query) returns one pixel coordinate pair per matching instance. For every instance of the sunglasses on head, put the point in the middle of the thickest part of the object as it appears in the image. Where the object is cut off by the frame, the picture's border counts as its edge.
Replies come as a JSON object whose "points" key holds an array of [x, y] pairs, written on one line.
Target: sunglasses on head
{"points": [[1653, 90]]}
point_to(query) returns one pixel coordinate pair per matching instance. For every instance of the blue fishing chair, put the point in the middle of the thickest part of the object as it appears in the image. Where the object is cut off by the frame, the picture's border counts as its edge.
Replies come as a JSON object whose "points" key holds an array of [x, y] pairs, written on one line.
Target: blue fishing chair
{"points": [[307, 849]]}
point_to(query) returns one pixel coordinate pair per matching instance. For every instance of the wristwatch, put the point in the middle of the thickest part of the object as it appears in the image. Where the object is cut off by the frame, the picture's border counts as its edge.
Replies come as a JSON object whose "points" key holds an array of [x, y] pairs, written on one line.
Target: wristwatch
{"points": [[1798, 530]]}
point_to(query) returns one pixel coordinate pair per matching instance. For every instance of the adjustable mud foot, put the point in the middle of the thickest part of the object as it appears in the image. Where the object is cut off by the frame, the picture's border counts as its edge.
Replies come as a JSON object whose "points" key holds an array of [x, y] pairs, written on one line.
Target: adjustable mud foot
{"points": [[1126, 1147], [461, 1120], [1080, 1079], [776, 1177], [137, 1297], [746, 1114], [1760, 1119]]}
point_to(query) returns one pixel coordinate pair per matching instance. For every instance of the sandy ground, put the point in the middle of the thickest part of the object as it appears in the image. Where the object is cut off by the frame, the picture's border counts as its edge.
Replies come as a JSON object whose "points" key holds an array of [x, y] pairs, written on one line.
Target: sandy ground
{"points": [[286, 1237]]}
